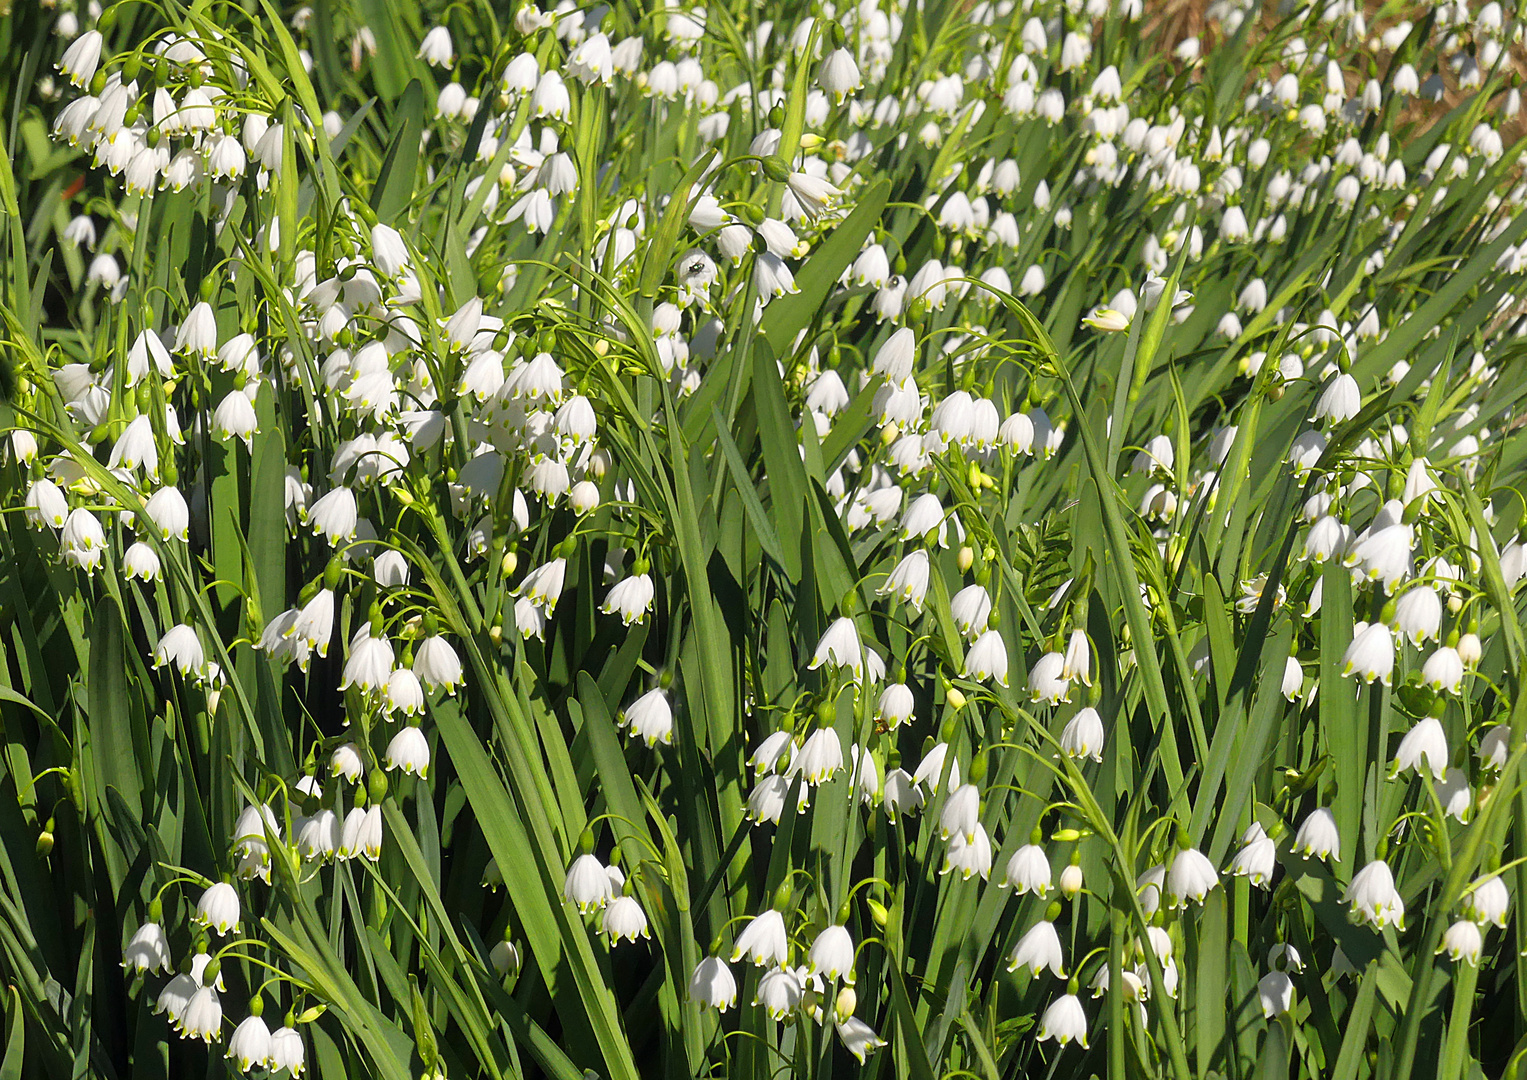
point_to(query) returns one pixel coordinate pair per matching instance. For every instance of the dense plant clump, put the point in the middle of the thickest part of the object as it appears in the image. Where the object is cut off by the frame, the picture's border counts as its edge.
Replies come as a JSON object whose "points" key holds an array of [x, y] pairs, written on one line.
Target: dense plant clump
{"points": [[952, 538]]}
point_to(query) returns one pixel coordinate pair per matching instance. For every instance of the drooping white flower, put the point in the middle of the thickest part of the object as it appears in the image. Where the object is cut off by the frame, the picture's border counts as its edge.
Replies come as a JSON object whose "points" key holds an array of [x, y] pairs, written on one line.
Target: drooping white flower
{"points": [[650, 718], [1046, 682], [1370, 656], [1190, 877], [840, 648], [1488, 901], [631, 598], [218, 908], [764, 940], [624, 918], [1463, 941], [819, 757], [1318, 835], [712, 984], [779, 992], [968, 857], [587, 885], [148, 950], [1275, 991], [1257, 858], [409, 751], [249, 1045], [1038, 949], [987, 659], [1028, 870], [832, 955], [1064, 1020], [1373, 897], [1425, 743]]}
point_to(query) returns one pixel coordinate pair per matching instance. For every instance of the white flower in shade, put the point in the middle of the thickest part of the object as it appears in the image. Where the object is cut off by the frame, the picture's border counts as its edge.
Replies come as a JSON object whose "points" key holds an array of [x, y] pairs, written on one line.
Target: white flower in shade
{"points": [[437, 664], [1340, 401], [839, 75], [1425, 743], [218, 908], [896, 357], [1373, 897], [779, 992], [592, 61], [203, 1016], [987, 659], [859, 1039], [713, 984], [436, 49], [1318, 835], [1326, 539], [346, 761], [900, 794], [1455, 794], [930, 769], [1443, 670], [968, 857], [766, 802], [176, 995], [1276, 992], [286, 1051], [404, 694], [1190, 877], [314, 624], [923, 515], [764, 940], [832, 955], [650, 717], [1470, 648], [1418, 614], [1494, 747], [197, 336], [46, 505], [908, 581], [255, 823], [962, 812], [181, 648], [363, 835], [370, 663], [334, 516], [319, 836], [1071, 880], [819, 757], [1046, 682], [249, 1045], [1077, 664], [1028, 870], [1463, 941], [1383, 555], [409, 751], [543, 585], [1293, 678], [1083, 735], [82, 541], [895, 705], [1064, 1021], [840, 648], [1371, 654], [149, 949], [135, 447], [1488, 902], [235, 418], [81, 59], [770, 753], [970, 608], [1038, 949], [631, 598], [812, 193], [587, 884], [1257, 857], [624, 918], [505, 957]]}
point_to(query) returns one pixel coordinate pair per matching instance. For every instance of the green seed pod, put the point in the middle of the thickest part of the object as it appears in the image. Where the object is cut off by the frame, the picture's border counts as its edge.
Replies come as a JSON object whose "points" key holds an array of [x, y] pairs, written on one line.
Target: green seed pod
{"points": [[776, 169], [377, 783]]}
